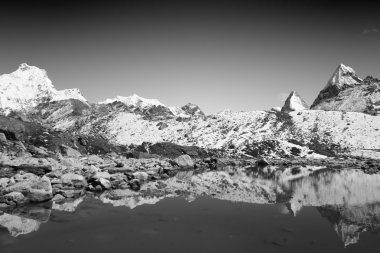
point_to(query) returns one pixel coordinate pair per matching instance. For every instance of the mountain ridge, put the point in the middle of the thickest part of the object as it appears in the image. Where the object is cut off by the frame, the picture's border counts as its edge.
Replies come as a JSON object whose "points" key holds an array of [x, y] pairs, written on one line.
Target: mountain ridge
{"points": [[293, 130]]}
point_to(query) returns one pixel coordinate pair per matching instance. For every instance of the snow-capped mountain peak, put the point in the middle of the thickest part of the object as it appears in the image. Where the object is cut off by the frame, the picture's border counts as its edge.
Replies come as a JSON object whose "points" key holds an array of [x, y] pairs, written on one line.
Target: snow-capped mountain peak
{"points": [[134, 100], [25, 87], [345, 91], [29, 86], [343, 75], [294, 103]]}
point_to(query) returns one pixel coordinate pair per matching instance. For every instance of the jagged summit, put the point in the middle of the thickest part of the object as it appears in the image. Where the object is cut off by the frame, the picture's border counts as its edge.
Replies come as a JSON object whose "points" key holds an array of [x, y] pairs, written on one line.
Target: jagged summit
{"points": [[29, 86], [345, 91], [343, 75], [294, 103]]}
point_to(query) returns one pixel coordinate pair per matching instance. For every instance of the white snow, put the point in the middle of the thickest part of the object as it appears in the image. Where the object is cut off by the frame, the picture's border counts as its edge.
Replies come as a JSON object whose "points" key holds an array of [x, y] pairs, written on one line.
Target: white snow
{"points": [[68, 94], [144, 103], [296, 103], [134, 100], [27, 87]]}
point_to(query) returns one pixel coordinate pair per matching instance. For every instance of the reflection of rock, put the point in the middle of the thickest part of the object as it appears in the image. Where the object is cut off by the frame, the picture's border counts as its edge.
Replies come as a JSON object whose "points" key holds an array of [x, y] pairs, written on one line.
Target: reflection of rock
{"points": [[130, 198], [39, 212], [68, 205], [25, 219], [237, 187], [18, 225], [348, 233], [35, 189]]}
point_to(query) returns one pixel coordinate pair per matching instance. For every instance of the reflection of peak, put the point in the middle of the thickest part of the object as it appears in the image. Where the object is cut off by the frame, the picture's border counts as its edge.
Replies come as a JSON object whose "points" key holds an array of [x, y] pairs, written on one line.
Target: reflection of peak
{"points": [[294, 207], [350, 221], [348, 233]]}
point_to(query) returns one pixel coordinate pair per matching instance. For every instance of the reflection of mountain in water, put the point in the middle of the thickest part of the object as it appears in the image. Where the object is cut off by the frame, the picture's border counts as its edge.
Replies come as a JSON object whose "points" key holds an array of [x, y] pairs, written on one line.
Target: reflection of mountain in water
{"points": [[349, 199]]}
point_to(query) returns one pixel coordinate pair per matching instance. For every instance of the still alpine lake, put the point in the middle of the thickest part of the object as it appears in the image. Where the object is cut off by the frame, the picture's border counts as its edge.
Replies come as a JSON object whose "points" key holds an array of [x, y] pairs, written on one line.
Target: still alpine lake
{"points": [[241, 210]]}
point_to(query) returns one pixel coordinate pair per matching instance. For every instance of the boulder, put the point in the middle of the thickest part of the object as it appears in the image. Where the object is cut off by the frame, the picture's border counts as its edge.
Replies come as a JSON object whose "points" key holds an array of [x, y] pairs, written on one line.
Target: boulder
{"points": [[75, 180], [35, 189], [4, 182], [119, 164], [13, 198], [101, 174], [38, 151], [140, 175], [68, 151], [94, 159], [106, 184], [135, 184], [58, 198], [72, 193], [71, 162], [38, 166], [3, 139], [184, 161]]}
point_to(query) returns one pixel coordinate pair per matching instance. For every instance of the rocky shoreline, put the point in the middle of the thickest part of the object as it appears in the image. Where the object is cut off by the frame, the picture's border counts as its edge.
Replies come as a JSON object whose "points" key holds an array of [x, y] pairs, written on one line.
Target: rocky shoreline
{"points": [[27, 179]]}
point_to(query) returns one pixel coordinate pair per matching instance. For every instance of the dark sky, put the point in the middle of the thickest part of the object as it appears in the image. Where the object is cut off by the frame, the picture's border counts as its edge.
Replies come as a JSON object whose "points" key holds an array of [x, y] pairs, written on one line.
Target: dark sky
{"points": [[222, 54]]}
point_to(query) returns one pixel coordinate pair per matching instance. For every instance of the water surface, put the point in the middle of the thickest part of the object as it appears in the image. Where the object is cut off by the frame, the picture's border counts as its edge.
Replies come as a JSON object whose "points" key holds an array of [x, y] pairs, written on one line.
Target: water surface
{"points": [[241, 210]]}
